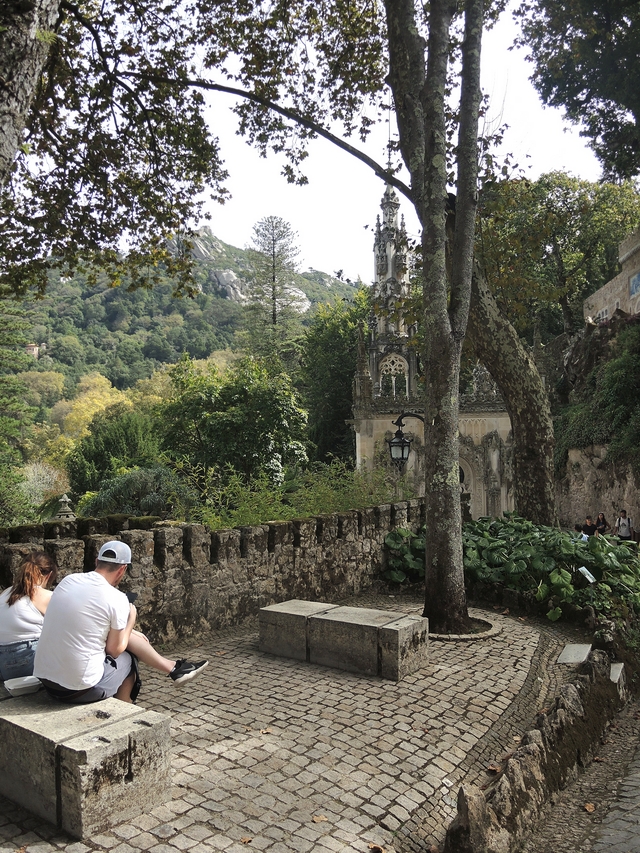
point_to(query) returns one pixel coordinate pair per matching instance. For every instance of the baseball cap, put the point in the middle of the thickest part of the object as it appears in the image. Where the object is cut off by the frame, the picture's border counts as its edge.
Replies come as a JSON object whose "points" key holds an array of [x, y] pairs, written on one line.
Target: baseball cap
{"points": [[115, 552]]}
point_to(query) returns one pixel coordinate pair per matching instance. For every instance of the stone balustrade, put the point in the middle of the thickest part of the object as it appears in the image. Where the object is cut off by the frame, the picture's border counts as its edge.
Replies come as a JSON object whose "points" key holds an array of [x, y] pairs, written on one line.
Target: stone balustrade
{"points": [[190, 580]]}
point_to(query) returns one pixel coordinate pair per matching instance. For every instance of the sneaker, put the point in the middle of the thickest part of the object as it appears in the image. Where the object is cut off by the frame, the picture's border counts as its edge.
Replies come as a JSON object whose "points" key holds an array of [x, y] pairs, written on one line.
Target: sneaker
{"points": [[185, 670]]}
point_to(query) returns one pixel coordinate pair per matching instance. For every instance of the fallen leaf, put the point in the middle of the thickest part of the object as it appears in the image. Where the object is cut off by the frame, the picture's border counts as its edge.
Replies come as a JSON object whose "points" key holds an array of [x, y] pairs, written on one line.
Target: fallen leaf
{"points": [[245, 839], [376, 848], [318, 818], [266, 731], [597, 758], [506, 756], [517, 738], [434, 849], [505, 612], [589, 807], [219, 654], [494, 767]]}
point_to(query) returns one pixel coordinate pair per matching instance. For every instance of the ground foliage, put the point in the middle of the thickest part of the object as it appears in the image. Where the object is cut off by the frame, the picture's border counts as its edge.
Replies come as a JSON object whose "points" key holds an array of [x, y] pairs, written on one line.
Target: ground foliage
{"points": [[540, 561]]}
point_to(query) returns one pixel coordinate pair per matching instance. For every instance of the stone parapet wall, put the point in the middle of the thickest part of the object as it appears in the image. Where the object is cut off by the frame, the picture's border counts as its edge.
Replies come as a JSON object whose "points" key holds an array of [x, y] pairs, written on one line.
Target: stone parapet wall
{"points": [[190, 580]]}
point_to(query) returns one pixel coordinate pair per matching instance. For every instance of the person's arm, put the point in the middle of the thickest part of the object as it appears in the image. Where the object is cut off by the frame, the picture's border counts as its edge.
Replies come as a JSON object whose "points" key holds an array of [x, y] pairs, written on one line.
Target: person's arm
{"points": [[41, 598], [118, 639]]}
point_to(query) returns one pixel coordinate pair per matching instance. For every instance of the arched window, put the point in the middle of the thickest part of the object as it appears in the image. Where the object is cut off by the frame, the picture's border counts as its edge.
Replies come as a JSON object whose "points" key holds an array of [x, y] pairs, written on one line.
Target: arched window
{"points": [[391, 367]]}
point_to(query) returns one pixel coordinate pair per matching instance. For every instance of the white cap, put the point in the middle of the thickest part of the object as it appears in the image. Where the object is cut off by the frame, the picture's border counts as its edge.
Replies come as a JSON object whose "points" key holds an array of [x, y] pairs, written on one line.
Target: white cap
{"points": [[115, 552]]}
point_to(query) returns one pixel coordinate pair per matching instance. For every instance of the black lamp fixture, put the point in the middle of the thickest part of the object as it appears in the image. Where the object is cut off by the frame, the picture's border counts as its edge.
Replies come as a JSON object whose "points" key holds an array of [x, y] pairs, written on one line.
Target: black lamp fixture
{"points": [[400, 445]]}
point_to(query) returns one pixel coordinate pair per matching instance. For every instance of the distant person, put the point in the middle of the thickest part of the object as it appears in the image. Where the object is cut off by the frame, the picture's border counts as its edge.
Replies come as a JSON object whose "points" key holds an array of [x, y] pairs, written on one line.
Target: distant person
{"points": [[22, 609], [602, 525], [589, 527], [88, 647], [581, 535], [624, 526]]}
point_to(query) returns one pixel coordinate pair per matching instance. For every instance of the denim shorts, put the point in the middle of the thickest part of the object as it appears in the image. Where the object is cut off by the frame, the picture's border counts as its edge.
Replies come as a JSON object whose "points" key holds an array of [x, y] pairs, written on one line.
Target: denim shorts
{"points": [[16, 659]]}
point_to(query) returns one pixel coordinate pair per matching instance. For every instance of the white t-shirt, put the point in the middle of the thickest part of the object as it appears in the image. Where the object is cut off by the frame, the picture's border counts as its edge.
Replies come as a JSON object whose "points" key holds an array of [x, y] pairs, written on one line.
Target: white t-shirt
{"points": [[624, 527], [80, 614], [21, 621]]}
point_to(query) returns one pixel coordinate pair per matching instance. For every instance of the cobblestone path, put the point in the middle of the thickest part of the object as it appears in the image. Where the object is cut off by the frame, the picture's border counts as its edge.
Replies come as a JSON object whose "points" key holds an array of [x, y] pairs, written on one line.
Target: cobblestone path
{"points": [[274, 755]]}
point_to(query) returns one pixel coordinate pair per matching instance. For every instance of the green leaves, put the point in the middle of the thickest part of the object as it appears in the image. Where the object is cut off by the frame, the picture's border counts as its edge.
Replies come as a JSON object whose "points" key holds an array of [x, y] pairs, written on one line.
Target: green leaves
{"points": [[406, 555]]}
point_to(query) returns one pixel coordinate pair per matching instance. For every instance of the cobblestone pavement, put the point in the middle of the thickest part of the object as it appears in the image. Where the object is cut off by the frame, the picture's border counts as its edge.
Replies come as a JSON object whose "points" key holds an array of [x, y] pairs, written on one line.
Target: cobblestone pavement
{"points": [[274, 755]]}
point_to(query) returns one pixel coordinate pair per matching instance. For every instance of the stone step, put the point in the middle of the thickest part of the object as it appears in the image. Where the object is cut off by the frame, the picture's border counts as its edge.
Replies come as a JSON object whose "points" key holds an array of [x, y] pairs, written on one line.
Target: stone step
{"points": [[574, 653]]}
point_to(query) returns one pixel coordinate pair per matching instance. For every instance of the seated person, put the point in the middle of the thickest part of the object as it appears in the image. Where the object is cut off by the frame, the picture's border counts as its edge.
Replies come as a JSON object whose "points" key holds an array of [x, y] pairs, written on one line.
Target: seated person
{"points": [[578, 529], [22, 609], [88, 639]]}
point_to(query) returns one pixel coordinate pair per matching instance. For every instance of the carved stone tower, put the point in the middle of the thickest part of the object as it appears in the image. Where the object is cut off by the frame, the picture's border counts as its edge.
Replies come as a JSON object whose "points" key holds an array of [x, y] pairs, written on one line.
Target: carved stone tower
{"points": [[386, 383], [392, 361]]}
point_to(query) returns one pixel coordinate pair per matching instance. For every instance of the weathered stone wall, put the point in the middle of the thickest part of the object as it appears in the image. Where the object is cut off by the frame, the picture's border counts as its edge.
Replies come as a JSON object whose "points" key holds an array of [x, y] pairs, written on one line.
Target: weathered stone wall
{"points": [[190, 580], [547, 760], [593, 484]]}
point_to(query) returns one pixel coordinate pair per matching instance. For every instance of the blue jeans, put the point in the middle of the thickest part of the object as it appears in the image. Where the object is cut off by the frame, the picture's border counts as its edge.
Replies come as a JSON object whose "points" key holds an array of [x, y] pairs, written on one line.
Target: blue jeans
{"points": [[16, 659]]}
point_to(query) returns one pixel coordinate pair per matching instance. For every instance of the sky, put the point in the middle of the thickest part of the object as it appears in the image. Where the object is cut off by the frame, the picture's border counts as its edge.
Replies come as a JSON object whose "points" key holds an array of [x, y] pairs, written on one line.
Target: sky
{"points": [[334, 214]]}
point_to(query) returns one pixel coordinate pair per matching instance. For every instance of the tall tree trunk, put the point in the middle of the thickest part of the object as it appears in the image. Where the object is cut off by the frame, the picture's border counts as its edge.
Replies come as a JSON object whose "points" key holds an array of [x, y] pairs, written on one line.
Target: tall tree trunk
{"points": [[420, 102], [499, 348], [23, 53]]}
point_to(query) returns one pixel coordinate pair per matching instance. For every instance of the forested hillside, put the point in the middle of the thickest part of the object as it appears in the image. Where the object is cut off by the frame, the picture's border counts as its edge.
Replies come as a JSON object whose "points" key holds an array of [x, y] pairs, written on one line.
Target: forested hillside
{"points": [[125, 335]]}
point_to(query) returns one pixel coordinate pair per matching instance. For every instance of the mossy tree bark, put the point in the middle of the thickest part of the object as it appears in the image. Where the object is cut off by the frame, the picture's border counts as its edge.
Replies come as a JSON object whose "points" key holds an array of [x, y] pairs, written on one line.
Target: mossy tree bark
{"points": [[499, 348], [24, 47], [419, 96]]}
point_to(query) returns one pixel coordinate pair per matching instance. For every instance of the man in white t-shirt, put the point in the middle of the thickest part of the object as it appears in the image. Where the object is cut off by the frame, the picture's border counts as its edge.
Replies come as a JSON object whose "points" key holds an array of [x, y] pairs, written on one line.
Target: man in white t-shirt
{"points": [[624, 526], [87, 641]]}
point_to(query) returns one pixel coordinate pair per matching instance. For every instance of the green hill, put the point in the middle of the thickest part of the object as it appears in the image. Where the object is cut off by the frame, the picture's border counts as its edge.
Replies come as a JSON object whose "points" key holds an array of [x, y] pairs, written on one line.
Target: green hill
{"points": [[127, 335]]}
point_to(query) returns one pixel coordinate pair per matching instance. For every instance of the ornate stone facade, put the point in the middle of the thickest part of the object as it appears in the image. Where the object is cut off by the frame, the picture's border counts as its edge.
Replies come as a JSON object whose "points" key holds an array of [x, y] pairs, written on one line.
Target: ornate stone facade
{"points": [[387, 383]]}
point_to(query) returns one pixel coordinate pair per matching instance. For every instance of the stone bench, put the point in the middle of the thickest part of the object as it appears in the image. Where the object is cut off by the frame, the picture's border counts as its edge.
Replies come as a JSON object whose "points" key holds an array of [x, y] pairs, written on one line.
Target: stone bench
{"points": [[83, 767], [355, 639]]}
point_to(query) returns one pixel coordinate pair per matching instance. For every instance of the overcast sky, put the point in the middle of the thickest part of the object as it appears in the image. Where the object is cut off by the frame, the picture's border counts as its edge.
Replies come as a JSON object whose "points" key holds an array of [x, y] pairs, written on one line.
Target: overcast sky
{"points": [[343, 196]]}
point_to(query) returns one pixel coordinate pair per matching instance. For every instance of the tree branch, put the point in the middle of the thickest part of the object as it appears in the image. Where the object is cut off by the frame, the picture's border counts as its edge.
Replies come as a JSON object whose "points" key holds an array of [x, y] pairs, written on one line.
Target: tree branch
{"points": [[187, 83]]}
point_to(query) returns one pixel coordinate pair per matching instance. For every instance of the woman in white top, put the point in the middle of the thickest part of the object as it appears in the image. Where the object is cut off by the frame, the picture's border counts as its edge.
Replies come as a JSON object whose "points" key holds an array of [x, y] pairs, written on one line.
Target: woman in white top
{"points": [[22, 609]]}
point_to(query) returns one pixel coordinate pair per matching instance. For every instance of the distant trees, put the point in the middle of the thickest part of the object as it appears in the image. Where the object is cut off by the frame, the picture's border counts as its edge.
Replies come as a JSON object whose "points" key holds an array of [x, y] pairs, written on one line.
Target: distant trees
{"points": [[272, 316], [547, 244], [328, 356], [246, 420], [119, 438]]}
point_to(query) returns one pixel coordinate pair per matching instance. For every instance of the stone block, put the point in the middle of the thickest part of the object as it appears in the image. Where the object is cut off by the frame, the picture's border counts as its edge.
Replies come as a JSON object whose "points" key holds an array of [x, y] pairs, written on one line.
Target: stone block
{"points": [[403, 646], [83, 767], [347, 638], [574, 653], [283, 627]]}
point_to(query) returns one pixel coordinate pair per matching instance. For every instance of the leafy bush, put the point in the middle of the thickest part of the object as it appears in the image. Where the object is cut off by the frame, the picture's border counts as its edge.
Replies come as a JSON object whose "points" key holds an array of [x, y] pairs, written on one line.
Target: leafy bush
{"points": [[323, 489], [542, 561], [142, 491], [609, 412]]}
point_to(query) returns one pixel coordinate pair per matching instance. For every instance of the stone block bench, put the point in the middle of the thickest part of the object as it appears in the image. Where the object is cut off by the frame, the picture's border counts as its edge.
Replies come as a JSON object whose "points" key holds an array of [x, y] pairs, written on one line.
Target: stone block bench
{"points": [[83, 767], [355, 639]]}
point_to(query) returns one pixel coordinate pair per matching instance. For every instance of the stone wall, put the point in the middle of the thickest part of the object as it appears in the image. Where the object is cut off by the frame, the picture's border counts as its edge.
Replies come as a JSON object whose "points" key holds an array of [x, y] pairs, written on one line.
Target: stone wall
{"points": [[190, 580], [593, 484], [549, 757]]}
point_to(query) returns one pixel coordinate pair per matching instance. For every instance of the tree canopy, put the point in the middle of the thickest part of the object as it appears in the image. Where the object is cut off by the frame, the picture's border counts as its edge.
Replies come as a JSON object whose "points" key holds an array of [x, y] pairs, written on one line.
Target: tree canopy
{"points": [[110, 164], [546, 245], [586, 58]]}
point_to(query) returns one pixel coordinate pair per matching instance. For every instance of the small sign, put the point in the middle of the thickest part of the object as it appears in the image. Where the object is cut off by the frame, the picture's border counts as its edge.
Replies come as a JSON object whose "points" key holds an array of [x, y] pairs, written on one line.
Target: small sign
{"points": [[587, 574]]}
